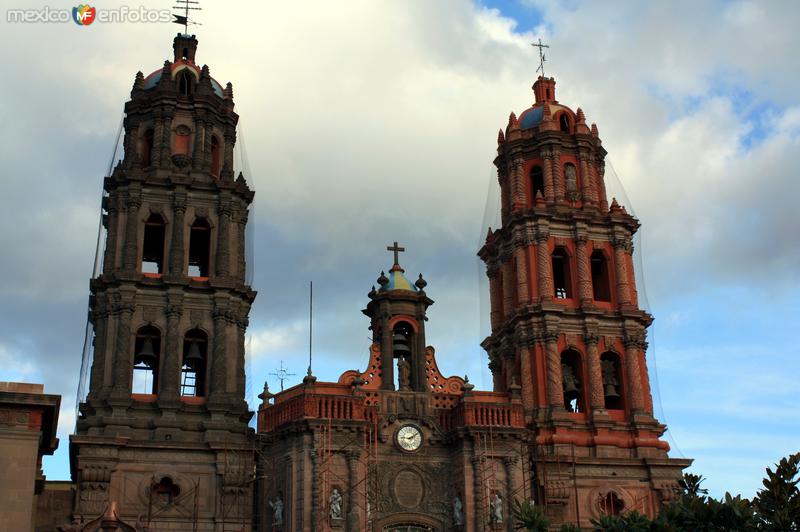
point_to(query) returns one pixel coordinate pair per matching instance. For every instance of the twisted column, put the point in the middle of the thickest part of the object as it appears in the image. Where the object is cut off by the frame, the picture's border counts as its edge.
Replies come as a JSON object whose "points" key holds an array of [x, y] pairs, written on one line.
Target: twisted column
{"points": [[558, 177], [112, 230], [314, 488], [544, 267], [353, 521], [520, 197], [523, 297], [549, 186], [177, 250], [508, 289], [478, 495], [596, 390], [495, 299], [555, 386], [510, 463], [584, 273], [621, 245], [131, 249], [100, 323], [223, 240], [166, 141], [122, 353], [170, 380], [505, 203], [633, 345], [527, 378]]}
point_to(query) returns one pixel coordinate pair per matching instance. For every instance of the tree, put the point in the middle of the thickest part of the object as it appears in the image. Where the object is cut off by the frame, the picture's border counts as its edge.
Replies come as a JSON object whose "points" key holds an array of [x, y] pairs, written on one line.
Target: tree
{"points": [[528, 516], [778, 504]]}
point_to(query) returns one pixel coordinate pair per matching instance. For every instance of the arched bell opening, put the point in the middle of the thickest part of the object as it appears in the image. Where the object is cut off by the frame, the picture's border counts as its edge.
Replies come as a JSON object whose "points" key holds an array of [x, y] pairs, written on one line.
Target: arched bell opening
{"points": [[147, 353], [193, 367], [612, 381], [402, 351], [572, 381]]}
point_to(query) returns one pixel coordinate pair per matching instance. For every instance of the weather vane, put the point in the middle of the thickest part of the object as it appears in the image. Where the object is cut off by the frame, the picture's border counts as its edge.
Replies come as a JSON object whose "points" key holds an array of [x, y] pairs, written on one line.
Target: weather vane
{"points": [[542, 57], [183, 20], [281, 374]]}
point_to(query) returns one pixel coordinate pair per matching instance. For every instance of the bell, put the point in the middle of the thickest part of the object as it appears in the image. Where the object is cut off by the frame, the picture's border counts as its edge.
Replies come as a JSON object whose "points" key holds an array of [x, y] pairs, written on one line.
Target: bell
{"points": [[571, 392], [194, 354], [611, 391], [146, 353], [400, 346]]}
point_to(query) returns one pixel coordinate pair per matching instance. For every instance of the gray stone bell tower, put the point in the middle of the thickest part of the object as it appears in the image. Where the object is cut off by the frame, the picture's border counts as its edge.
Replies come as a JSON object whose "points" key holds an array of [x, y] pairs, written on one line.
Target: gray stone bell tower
{"points": [[164, 430]]}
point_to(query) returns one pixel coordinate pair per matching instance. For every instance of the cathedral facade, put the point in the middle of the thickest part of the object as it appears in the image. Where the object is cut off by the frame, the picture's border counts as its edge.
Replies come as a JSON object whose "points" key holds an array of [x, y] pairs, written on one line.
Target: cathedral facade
{"points": [[163, 439]]}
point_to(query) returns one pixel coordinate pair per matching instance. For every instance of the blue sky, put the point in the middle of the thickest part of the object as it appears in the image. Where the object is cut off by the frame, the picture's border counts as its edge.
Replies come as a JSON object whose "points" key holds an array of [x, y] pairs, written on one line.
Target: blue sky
{"points": [[368, 122]]}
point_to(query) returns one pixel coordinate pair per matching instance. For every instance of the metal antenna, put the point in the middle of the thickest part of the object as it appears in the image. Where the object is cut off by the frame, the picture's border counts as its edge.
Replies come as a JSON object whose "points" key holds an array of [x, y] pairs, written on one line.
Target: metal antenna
{"points": [[281, 374], [542, 57], [186, 6], [310, 321]]}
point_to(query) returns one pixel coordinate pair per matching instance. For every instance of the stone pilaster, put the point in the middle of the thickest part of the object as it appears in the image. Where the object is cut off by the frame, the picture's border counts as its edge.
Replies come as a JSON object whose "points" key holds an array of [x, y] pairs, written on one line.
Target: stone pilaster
{"points": [[219, 362], [353, 513], [100, 323], [170, 378], [123, 357], [223, 239], [508, 288], [112, 230], [510, 465], [130, 252], [495, 298], [177, 252]]}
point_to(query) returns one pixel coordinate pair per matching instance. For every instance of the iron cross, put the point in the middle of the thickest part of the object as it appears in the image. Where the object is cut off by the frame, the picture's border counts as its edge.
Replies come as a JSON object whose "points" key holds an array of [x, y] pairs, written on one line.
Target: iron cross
{"points": [[281, 374], [397, 250], [542, 57]]}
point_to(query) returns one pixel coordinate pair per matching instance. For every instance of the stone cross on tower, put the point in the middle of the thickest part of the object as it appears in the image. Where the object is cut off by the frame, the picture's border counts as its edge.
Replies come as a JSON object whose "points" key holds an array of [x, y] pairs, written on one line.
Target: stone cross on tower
{"points": [[396, 250]]}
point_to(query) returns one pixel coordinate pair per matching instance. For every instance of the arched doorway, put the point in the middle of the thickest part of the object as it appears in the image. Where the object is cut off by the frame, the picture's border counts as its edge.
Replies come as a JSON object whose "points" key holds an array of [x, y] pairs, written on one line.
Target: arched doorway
{"points": [[409, 522], [407, 527]]}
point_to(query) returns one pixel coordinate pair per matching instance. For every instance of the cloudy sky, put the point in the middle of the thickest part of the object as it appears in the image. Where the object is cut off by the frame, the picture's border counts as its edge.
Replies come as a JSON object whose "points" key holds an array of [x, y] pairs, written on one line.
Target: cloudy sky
{"points": [[372, 121]]}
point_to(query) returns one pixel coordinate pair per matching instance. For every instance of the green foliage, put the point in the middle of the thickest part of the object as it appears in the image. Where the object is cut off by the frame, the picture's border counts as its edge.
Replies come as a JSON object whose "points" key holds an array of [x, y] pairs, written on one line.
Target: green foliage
{"points": [[528, 516], [569, 527], [778, 504], [629, 522]]}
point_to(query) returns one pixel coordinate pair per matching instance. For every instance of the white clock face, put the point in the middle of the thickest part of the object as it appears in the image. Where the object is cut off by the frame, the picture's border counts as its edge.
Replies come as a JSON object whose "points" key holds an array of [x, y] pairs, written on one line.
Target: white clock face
{"points": [[409, 438]]}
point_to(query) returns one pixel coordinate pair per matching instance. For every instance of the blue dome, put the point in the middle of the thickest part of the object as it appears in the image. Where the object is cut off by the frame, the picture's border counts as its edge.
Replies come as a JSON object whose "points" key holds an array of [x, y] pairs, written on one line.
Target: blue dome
{"points": [[531, 117]]}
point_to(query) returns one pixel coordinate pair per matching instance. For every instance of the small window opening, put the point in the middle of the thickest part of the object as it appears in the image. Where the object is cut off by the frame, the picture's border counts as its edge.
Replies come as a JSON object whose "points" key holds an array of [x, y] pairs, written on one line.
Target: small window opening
{"points": [[563, 121], [147, 350], [612, 381], [185, 54], [548, 93], [571, 377], [600, 285], [153, 248], [193, 369], [612, 504], [184, 83], [402, 336], [537, 182], [561, 274], [166, 491], [199, 248], [147, 148], [215, 156]]}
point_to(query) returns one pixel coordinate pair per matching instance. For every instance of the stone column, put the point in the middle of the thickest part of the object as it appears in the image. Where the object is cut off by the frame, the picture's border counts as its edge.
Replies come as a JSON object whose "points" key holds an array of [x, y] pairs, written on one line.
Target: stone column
{"points": [[166, 142], [387, 357], [242, 322], [621, 245], [123, 357], [314, 485], [353, 514], [495, 298], [227, 164], [508, 287], [584, 271], [498, 379], [177, 252], [477, 503], [520, 200], [130, 252], [544, 266], [209, 132], [523, 297], [555, 385], [158, 134], [527, 378], [601, 185], [100, 323], [596, 390], [549, 184], [633, 345], [223, 268], [219, 363], [170, 377], [586, 178], [112, 230], [558, 177], [590, 180], [241, 243], [510, 464], [505, 203], [198, 157]]}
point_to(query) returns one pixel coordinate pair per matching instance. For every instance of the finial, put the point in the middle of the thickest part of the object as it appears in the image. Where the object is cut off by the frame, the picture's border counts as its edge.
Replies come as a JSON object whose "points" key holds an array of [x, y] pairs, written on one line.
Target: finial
{"points": [[396, 250], [500, 137], [372, 292], [594, 130], [468, 386], [542, 57], [138, 82], [581, 116], [513, 123], [265, 396], [309, 378], [228, 92], [421, 283], [383, 280]]}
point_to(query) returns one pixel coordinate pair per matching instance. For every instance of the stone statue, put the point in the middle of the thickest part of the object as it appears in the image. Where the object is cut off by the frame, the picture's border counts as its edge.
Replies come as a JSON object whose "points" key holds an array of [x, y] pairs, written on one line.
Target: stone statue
{"points": [[496, 508], [458, 511], [335, 504], [403, 373], [277, 510], [570, 179]]}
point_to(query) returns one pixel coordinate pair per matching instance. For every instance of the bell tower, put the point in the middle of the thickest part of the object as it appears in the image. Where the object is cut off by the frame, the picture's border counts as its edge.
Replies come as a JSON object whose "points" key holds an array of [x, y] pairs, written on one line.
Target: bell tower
{"points": [[163, 431], [565, 320]]}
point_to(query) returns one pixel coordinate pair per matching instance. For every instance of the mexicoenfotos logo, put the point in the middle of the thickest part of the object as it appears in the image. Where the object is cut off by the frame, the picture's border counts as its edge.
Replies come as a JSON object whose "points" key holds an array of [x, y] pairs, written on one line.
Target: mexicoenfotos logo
{"points": [[83, 15]]}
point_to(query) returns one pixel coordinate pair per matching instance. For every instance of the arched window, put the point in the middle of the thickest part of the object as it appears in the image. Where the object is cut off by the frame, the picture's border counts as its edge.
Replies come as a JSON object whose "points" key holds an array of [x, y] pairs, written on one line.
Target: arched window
{"points": [[600, 283], [147, 351], [180, 139], [537, 182], [572, 380], [215, 156], [561, 274], [147, 148], [402, 342], [563, 122], [612, 380], [199, 248], [166, 491], [153, 246], [612, 504], [184, 83], [193, 368]]}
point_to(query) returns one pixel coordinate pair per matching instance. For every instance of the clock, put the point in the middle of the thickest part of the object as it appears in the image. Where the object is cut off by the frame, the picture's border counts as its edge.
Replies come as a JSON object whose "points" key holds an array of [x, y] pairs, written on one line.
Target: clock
{"points": [[409, 438]]}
